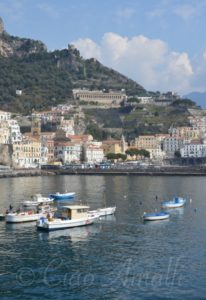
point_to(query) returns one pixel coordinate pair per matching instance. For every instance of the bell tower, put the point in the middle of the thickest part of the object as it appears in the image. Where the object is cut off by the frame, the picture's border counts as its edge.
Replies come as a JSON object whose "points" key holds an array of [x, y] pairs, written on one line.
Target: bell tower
{"points": [[35, 127]]}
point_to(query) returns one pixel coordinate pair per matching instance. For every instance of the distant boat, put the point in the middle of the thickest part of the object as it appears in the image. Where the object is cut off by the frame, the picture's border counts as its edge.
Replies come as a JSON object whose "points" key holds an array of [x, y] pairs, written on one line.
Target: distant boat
{"points": [[36, 200], [175, 203], [156, 216], [103, 211], [68, 217], [62, 196]]}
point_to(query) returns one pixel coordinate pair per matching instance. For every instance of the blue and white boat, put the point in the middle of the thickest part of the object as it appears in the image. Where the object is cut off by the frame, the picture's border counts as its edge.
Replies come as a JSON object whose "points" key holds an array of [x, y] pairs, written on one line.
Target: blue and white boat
{"points": [[156, 216], [175, 203], [62, 196]]}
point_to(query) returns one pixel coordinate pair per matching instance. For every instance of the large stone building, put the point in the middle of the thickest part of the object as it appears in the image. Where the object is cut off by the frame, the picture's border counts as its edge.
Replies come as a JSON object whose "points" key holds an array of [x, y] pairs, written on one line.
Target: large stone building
{"points": [[110, 97]]}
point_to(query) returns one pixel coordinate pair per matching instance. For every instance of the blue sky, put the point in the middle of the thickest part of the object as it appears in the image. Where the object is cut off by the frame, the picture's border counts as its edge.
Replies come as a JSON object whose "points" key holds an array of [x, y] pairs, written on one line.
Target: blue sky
{"points": [[159, 43]]}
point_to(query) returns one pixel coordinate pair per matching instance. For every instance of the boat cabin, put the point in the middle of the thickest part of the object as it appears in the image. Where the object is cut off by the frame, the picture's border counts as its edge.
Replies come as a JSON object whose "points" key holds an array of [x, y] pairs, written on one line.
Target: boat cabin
{"points": [[73, 212]]}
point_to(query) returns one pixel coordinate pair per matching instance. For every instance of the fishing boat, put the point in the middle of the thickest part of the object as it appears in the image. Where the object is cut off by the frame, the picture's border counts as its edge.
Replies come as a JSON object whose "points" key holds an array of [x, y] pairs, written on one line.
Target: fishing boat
{"points": [[62, 196], [156, 216], [103, 211], [36, 200], [174, 203], [67, 217], [28, 216]]}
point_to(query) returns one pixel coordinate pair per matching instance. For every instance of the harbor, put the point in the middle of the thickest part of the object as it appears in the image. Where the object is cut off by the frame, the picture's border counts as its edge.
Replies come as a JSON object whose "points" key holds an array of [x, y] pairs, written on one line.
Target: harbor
{"points": [[132, 257]]}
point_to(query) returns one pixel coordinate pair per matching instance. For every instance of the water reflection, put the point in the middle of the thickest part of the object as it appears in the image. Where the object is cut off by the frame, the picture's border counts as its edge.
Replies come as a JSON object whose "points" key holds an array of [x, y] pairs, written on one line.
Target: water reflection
{"points": [[72, 234]]}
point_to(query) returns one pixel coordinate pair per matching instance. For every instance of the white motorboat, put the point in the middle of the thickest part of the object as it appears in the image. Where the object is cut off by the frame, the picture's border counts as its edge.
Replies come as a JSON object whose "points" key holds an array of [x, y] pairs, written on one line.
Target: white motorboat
{"points": [[156, 216], [175, 203], [36, 200], [67, 217], [102, 211], [28, 216]]}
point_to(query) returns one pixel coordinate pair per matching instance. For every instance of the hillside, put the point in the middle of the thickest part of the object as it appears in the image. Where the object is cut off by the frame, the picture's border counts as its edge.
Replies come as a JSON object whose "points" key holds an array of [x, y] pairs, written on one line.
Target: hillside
{"points": [[134, 121], [47, 78]]}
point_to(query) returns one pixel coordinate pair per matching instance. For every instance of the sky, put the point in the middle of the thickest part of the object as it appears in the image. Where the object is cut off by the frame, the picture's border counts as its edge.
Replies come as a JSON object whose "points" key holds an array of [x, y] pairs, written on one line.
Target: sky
{"points": [[161, 44]]}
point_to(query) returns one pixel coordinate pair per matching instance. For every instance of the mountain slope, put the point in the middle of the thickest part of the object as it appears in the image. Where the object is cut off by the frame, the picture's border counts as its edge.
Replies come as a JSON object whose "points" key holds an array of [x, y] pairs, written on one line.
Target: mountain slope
{"points": [[47, 78]]}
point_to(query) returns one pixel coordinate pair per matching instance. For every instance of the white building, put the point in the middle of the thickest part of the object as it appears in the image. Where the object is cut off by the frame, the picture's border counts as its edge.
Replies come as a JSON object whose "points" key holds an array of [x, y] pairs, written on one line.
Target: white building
{"points": [[67, 126], [145, 100], [4, 115], [170, 145], [193, 150], [156, 153], [67, 151], [93, 153], [15, 133]]}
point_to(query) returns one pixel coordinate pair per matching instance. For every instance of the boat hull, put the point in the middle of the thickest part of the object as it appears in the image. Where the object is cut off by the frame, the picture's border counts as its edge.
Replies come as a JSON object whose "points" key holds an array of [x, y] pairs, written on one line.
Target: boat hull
{"points": [[62, 196], [21, 218], [101, 212], [155, 216], [178, 202], [56, 224]]}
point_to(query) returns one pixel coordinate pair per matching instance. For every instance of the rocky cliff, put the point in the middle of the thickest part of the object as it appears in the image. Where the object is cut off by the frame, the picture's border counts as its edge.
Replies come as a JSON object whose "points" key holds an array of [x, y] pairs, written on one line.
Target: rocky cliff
{"points": [[15, 46]]}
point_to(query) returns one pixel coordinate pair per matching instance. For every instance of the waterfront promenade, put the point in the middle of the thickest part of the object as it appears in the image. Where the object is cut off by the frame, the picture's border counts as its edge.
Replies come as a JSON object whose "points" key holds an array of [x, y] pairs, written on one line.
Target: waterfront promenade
{"points": [[149, 171]]}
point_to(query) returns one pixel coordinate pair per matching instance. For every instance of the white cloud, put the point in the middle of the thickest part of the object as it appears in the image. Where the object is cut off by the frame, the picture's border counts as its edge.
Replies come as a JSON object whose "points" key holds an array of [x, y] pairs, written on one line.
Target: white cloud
{"points": [[156, 13], [148, 61], [186, 11], [88, 48], [126, 12]]}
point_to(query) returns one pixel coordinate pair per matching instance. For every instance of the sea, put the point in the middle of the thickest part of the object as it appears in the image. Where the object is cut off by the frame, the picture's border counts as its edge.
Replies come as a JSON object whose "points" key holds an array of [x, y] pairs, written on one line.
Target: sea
{"points": [[119, 257]]}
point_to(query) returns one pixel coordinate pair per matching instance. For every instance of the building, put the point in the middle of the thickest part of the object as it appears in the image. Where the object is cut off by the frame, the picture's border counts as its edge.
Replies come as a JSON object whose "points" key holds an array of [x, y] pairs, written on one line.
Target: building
{"points": [[67, 126], [93, 153], [186, 133], [28, 153], [4, 133], [5, 115], [103, 97], [171, 144], [194, 149], [114, 146], [146, 142], [67, 151], [14, 131]]}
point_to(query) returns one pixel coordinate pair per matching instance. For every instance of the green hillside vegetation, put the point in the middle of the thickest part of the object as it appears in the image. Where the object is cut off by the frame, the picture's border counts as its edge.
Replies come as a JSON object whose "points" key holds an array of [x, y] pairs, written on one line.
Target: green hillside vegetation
{"points": [[47, 78], [147, 119]]}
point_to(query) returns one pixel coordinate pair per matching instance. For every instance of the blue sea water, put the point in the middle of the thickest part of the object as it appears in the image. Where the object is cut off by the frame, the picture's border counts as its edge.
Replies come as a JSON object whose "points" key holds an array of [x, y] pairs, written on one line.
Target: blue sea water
{"points": [[121, 257]]}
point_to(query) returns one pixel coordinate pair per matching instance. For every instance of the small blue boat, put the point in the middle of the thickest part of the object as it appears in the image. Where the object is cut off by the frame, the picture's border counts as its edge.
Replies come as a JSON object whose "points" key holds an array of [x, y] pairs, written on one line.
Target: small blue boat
{"points": [[62, 196], [175, 203], [156, 216]]}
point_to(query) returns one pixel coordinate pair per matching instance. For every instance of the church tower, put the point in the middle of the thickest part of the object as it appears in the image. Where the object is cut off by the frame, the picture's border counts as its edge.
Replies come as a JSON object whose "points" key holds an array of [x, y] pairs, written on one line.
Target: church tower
{"points": [[35, 127]]}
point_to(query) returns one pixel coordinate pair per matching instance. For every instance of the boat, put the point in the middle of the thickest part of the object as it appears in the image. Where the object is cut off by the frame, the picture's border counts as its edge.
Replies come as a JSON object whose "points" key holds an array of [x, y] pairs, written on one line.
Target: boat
{"points": [[28, 216], [62, 196], [2, 217], [156, 216], [106, 211], [36, 200], [67, 217], [174, 203]]}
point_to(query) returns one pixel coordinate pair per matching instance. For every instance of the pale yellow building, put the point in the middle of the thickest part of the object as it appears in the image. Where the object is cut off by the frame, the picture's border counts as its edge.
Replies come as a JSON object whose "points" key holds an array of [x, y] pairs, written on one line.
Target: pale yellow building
{"points": [[27, 153], [4, 133], [146, 142], [114, 146]]}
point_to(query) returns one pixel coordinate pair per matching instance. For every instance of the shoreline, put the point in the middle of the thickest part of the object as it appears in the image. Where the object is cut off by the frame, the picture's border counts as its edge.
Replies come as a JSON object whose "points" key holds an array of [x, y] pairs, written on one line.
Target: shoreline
{"points": [[179, 171]]}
